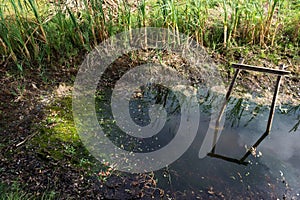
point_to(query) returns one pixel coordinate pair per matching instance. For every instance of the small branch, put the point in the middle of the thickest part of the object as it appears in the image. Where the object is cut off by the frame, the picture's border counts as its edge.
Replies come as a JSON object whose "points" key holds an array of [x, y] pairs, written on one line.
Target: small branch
{"points": [[26, 139]]}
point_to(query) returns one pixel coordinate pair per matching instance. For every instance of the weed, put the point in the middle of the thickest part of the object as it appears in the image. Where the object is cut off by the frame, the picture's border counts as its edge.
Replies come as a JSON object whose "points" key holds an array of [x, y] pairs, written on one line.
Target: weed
{"points": [[15, 192], [29, 33]]}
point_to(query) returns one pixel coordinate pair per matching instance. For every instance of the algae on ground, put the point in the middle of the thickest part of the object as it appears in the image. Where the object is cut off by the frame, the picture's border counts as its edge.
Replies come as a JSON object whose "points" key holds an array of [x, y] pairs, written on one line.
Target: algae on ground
{"points": [[58, 139]]}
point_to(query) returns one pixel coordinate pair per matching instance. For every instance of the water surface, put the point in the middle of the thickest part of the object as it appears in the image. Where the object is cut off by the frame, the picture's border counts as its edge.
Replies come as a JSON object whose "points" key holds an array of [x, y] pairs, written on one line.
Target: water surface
{"points": [[272, 173]]}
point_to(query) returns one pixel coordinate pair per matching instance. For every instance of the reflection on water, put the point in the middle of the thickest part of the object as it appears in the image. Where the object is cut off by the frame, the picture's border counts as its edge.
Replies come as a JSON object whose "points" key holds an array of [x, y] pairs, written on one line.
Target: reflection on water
{"points": [[273, 172]]}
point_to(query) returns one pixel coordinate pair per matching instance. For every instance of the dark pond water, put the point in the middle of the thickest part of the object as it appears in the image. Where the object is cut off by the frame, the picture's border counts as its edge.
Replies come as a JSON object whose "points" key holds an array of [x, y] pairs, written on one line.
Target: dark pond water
{"points": [[274, 172]]}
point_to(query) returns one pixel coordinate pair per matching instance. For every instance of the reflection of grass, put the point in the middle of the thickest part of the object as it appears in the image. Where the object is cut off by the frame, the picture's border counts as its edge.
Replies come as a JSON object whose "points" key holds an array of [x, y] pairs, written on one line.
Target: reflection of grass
{"points": [[295, 109], [240, 108], [236, 112], [295, 128]]}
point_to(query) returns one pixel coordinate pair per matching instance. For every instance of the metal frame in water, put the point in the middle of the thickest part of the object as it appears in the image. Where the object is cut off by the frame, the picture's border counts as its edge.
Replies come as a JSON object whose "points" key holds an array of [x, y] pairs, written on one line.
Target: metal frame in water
{"points": [[240, 66]]}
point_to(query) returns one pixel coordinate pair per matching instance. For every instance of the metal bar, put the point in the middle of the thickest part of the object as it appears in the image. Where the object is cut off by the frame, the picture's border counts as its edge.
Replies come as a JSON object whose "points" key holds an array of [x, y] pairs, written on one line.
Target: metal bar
{"points": [[227, 159], [281, 72], [261, 69], [270, 120], [237, 71]]}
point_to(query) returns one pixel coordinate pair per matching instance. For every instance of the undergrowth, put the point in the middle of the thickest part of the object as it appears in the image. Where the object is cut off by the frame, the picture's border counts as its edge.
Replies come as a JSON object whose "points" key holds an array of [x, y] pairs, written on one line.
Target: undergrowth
{"points": [[36, 33]]}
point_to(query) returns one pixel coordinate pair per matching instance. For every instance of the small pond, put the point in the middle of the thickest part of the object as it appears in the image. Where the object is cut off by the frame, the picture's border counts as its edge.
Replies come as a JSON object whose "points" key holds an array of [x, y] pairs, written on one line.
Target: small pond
{"points": [[273, 172]]}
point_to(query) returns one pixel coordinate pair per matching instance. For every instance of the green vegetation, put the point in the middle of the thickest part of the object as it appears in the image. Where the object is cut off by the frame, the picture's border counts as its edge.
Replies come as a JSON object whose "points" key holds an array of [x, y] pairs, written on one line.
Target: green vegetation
{"points": [[34, 32], [44, 35], [58, 139], [14, 192]]}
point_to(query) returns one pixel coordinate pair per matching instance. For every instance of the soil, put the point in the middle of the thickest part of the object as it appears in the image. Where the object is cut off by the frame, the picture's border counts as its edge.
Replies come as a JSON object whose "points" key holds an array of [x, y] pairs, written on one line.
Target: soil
{"points": [[24, 99]]}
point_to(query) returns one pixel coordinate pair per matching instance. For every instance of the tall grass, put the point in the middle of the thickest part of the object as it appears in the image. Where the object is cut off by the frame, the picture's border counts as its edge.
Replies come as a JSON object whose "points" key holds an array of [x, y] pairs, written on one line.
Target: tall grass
{"points": [[31, 36]]}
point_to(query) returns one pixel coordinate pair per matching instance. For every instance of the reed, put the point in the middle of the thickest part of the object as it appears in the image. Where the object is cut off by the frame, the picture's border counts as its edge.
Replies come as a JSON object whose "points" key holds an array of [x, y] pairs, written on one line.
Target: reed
{"points": [[29, 34]]}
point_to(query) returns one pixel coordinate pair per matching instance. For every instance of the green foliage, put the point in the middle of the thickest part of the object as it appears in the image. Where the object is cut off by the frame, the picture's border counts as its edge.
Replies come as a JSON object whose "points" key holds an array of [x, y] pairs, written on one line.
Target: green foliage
{"points": [[37, 31], [15, 192]]}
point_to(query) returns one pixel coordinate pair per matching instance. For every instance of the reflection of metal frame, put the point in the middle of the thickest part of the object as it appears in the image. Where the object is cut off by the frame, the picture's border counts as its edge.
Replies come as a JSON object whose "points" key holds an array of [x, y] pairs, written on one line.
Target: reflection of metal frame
{"points": [[281, 72]]}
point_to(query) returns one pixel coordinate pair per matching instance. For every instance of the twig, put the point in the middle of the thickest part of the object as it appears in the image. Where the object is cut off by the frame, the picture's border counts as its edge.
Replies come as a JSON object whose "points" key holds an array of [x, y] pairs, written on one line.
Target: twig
{"points": [[26, 139]]}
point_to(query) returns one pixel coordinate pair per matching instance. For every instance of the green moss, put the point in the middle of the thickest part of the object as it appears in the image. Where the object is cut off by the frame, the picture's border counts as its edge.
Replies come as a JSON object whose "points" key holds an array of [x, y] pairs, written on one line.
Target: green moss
{"points": [[58, 139]]}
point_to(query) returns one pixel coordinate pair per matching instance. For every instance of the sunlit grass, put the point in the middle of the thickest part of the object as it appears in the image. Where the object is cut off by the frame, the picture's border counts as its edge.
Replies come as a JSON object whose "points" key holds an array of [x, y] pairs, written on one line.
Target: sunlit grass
{"points": [[34, 32]]}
